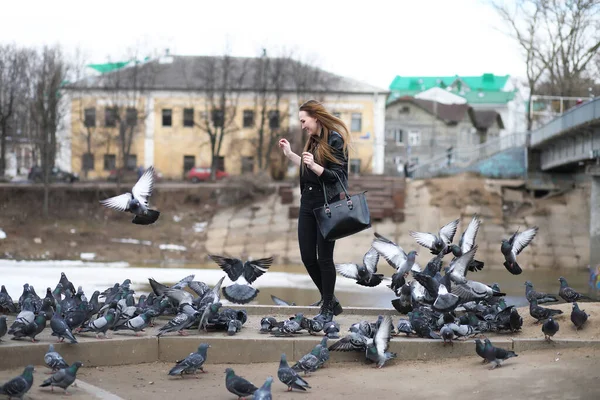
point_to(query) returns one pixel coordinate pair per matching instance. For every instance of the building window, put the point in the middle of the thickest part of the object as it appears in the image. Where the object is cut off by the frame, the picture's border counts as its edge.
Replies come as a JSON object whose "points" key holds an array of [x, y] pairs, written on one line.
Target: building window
{"points": [[87, 161], [110, 162], [131, 116], [355, 166], [188, 117], [110, 117], [248, 118], [404, 110], [398, 136], [218, 118], [398, 160], [131, 162], [247, 165], [356, 125], [188, 163], [167, 117], [89, 117], [274, 119], [220, 163], [414, 138]]}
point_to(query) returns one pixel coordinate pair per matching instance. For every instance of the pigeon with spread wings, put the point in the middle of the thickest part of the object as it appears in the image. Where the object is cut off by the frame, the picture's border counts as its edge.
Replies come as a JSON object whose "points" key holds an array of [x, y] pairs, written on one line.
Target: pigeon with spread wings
{"points": [[242, 274], [513, 246], [440, 243], [136, 201], [365, 274]]}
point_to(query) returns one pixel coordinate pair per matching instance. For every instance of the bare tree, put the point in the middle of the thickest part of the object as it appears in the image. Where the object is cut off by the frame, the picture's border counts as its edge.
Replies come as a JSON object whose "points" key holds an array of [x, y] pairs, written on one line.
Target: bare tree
{"points": [[12, 91], [48, 73]]}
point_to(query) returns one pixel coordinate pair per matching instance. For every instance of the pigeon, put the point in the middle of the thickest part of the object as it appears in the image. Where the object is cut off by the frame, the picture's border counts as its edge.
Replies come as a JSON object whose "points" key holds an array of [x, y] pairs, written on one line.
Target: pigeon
{"points": [[365, 273], [101, 324], [17, 387], [136, 202], [180, 322], [53, 360], [376, 350], [578, 317], [289, 377], [267, 324], [331, 329], [6, 302], [66, 284], [289, 326], [211, 297], [309, 362], [63, 378], [479, 347], [549, 328], [352, 342], [447, 334], [445, 300], [459, 266], [420, 324], [395, 256], [233, 327], [404, 326], [311, 325], [192, 363], [514, 246], [60, 328], [136, 324], [541, 298], [31, 329], [496, 355], [3, 327], [403, 303], [242, 275], [568, 294], [458, 331], [437, 244], [264, 392], [281, 302], [467, 242], [541, 313], [515, 320], [238, 385]]}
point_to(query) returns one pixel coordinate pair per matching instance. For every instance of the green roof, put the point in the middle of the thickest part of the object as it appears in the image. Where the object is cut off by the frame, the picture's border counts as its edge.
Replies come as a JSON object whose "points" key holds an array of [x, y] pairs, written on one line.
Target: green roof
{"points": [[108, 67]]}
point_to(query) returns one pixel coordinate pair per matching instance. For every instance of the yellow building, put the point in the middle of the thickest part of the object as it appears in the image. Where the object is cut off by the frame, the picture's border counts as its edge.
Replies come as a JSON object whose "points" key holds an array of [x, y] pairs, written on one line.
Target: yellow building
{"points": [[161, 110]]}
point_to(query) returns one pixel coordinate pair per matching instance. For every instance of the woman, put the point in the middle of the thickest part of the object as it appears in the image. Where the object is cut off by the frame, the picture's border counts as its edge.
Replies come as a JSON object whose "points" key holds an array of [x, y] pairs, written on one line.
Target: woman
{"points": [[324, 159]]}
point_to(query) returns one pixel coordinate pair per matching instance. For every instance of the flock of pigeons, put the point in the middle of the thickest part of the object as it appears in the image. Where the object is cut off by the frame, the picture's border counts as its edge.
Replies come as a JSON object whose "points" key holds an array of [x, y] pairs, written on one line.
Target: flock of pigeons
{"points": [[445, 307]]}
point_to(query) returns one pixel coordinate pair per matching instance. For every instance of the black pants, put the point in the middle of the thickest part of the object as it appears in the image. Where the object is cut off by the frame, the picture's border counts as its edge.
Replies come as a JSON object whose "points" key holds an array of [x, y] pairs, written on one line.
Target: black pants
{"points": [[316, 252]]}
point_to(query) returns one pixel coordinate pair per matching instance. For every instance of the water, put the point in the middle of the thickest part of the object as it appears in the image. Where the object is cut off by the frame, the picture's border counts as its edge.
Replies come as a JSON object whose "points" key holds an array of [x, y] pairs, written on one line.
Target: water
{"points": [[289, 282]]}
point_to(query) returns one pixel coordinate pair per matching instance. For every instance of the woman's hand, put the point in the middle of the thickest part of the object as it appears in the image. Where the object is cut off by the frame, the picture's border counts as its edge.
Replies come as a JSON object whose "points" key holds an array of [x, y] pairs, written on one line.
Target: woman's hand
{"points": [[308, 159], [285, 146]]}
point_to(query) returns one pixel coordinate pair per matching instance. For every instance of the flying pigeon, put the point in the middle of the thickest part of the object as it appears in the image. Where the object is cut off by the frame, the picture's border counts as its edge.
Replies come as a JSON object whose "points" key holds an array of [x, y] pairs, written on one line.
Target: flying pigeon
{"points": [[353, 342], [289, 377], [264, 392], [242, 275], [395, 256], [549, 328], [514, 246], [467, 242], [376, 350], [18, 386], [192, 363], [63, 378], [136, 202], [569, 294], [238, 385], [578, 317], [365, 273], [440, 243]]}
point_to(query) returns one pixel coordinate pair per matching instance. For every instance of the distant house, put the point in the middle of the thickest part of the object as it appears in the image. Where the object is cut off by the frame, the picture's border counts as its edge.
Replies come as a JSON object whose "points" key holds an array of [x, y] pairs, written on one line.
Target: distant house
{"points": [[418, 130], [485, 92]]}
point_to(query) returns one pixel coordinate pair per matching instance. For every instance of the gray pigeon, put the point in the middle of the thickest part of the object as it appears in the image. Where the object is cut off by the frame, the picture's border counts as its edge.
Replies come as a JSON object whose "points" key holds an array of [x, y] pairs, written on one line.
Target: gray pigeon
{"points": [[210, 297], [578, 317], [549, 328], [440, 243], [331, 329], [281, 302], [353, 342], [267, 324], [180, 322], [192, 363], [364, 274], [60, 328], [233, 327], [63, 378], [289, 377], [53, 360], [137, 324], [404, 326], [309, 362], [377, 347], [496, 355], [242, 275], [514, 246], [289, 326], [238, 385], [395, 256], [3, 327], [264, 393], [447, 334], [541, 313], [101, 324], [569, 294], [136, 202], [18, 386], [466, 243], [6, 302], [541, 298]]}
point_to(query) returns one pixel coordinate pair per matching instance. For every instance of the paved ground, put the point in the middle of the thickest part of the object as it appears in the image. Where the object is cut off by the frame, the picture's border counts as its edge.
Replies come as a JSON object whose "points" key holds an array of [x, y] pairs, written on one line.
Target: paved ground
{"points": [[572, 374]]}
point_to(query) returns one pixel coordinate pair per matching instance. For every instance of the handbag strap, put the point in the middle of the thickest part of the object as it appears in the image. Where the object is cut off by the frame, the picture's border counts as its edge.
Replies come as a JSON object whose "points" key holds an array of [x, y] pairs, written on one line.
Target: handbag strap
{"points": [[348, 201]]}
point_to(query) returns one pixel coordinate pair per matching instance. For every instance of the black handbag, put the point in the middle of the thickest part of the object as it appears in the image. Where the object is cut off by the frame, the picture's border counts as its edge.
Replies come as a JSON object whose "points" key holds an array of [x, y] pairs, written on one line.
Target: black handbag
{"points": [[343, 217]]}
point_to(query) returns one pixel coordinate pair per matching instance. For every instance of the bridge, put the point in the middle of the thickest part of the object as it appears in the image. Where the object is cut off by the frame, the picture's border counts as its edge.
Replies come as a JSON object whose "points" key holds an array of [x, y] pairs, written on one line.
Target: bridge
{"points": [[568, 146]]}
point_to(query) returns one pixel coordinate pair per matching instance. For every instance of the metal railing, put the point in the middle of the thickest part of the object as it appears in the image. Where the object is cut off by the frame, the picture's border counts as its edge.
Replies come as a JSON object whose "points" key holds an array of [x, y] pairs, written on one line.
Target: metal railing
{"points": [[465, 156]]}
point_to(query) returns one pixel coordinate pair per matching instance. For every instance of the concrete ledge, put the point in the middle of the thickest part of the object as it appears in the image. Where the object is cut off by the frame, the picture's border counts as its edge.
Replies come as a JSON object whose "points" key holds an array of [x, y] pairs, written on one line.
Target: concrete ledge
{"points": [[281, 310], [541, 344]]}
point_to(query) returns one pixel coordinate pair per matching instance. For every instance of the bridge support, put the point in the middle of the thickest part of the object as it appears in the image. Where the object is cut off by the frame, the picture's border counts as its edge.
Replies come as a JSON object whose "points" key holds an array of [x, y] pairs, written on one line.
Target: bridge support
{"points": [[595, 221]]}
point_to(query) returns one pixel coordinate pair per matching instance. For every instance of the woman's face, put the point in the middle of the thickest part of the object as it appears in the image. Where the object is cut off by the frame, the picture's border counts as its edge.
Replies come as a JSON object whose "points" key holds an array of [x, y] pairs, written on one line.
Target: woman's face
{"points": [[309, 124]]}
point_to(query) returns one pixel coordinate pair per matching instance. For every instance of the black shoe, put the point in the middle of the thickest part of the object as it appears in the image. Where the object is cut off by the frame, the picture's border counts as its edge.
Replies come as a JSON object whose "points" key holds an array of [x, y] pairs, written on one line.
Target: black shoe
{"points": [[337, 307], [326, 314]]}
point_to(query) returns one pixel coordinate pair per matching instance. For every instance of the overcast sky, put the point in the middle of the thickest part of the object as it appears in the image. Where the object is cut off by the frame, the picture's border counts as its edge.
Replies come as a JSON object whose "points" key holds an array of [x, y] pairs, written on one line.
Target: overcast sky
{"points": [[372, 41]]}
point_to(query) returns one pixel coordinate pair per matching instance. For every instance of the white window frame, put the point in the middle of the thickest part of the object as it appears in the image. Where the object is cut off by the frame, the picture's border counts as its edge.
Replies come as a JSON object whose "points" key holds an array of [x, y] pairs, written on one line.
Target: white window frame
{"points": [[414, 138], [399, 133]]}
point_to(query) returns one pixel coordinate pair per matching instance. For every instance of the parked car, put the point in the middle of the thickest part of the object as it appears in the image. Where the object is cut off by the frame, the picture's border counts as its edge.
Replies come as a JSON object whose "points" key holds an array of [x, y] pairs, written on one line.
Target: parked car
{"points": [[56, 175], [129, 175], [202, 174]]}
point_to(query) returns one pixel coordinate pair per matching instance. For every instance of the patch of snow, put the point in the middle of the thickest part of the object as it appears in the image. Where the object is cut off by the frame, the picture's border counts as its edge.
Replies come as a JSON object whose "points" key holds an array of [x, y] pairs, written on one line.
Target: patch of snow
{"points": [[177, 218], [2, 234], [172, 247], [132, 241], [87, 256], [199, 227], [73, 230], [37, 240]]}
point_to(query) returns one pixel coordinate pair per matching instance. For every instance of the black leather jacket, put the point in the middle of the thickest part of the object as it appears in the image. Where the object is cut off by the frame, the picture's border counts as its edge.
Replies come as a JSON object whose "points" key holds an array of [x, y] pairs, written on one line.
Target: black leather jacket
{"points": [[333, 186]]}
